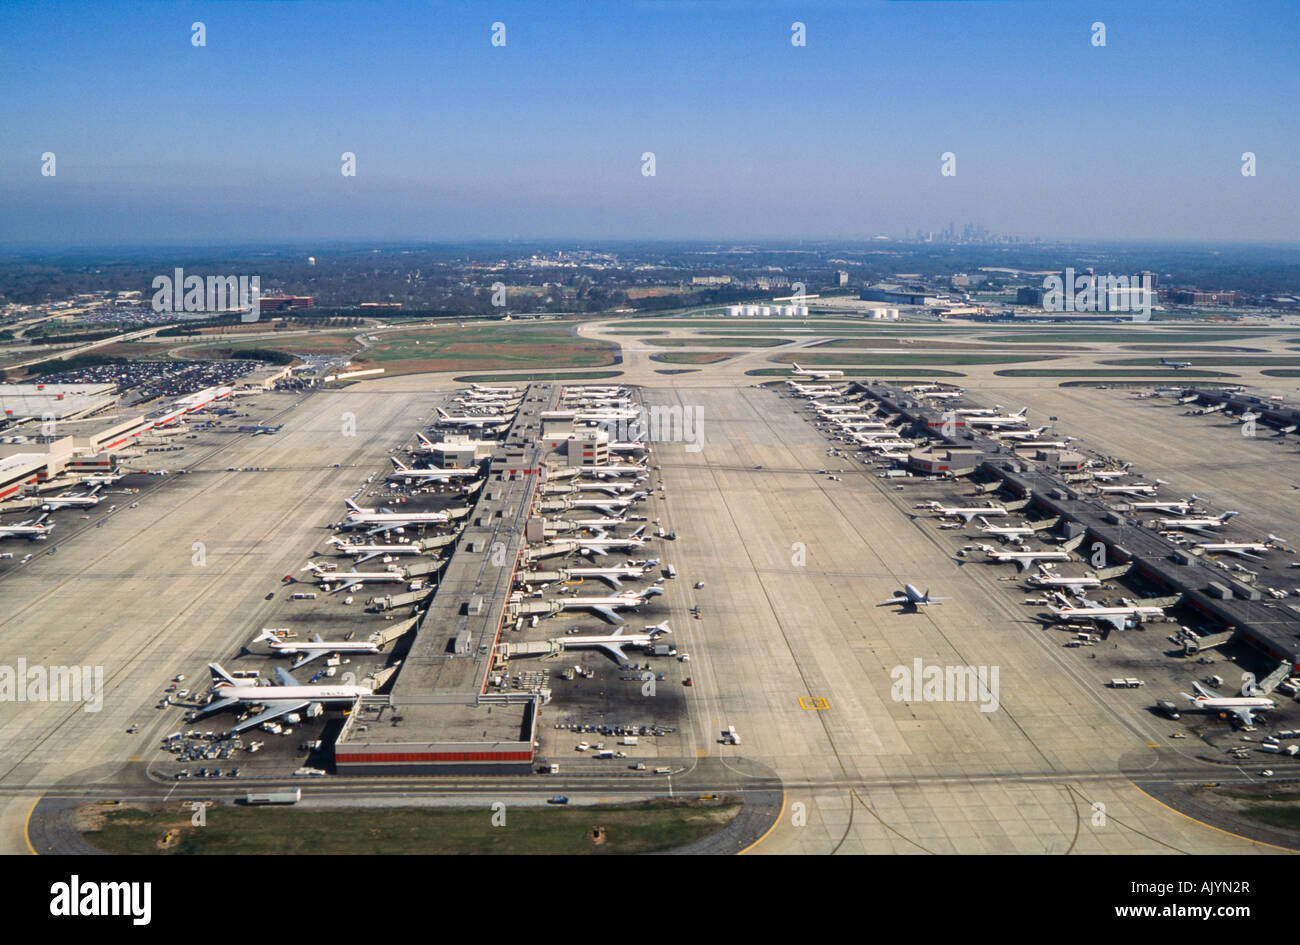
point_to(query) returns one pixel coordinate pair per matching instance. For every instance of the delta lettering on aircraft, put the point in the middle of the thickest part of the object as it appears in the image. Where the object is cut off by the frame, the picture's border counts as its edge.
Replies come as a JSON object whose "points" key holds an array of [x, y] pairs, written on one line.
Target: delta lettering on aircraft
{"points": [[75, 898]]}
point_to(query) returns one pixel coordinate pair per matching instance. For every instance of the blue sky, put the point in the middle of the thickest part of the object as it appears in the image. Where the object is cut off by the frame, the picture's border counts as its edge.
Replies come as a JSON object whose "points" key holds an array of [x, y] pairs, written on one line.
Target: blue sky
{"points": [[156, 140]]}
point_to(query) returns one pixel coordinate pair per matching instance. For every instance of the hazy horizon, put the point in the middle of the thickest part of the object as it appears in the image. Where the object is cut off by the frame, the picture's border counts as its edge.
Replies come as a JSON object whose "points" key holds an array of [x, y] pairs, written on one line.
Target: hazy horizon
{"points": [[239, 142]]}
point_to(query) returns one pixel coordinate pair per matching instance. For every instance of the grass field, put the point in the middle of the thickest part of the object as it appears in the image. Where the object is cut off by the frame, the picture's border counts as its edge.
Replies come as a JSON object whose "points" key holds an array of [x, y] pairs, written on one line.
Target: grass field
{"points": [[694, 357], [488, 347], [901, 359], [537, 376], [1052, 335], [624, 828], [1140, 375], [865, 372], [757, 341]]}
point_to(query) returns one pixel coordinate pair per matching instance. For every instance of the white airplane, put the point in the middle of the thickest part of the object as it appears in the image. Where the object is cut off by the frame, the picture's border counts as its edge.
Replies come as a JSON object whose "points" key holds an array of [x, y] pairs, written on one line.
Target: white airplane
{"points": [[614, 469], [1213, 408], [835, 408], [365, 552], [387, 520], [1014, 533], [1176, 365], [427, 445], [1045, 578], [493, 420], [1200, 525], [1243, 707], [1025, 559], [314, 648], [888, 444], [73, 501], [495, 390], [594, 547], [1172, 507], [1043, 444], [605, 607], [613, 643], [1132, 488], [611, 507], [436, 473], [815, 374], [32, 530], [1107, 475], [348, 579], [1016, 419], [977, 411], [1121, 618], [966, 514], [594, 524], [104, 479], [910, 598], [1022, 434], [1242, 549], [941, 394], [287, 696], [609, 576]]}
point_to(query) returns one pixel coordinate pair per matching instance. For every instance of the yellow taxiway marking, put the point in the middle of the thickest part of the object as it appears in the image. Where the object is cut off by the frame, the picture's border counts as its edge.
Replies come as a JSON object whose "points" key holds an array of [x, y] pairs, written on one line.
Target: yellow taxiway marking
{"points": [[813, 703]]}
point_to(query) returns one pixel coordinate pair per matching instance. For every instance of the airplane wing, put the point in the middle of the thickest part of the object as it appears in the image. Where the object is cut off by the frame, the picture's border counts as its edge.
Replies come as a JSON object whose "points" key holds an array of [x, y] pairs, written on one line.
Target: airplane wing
{"points": [[1118, 621], [307, 658], [615, 651], [285, 678], [1244, 714], [612, 580], [273, 711], [216, 705], [367, 556], [591, 551], [1205, 690], [901, 599], [606, 613]]}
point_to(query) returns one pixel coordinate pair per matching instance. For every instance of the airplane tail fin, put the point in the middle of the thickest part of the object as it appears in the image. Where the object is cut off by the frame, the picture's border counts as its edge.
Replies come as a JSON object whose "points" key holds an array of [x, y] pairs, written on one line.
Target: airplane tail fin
{"points": [[399, 464], [639, 532], [659, 628], [221, 674], [352, 505], [266, 635], [653, 591]]}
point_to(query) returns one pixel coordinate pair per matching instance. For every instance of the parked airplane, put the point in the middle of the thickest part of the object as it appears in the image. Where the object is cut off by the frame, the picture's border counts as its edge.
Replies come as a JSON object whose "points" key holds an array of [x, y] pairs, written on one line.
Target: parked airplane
{"points": [[1243, 707], [495, 390], [365, 552], [609, 576], [611, 507], [314, 648], [1242, 549], [386, 520], [605, 607], [1012, 533], [613, 643], [1213, 408], [593, 524], [1107, 475], [493, 420], [1025, 559], [1045, 578], [1121, 618], [349, 579], [910, 598], [1199, 525], [427, 445], [287, 696], [71, 500], [1176, 365], [1017, 419], [437, 474], [597, 546], [815, 374], [1022, 434], [105, 479], [32, 530], [1172, 507], [966, 514], [1132, 488]]}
